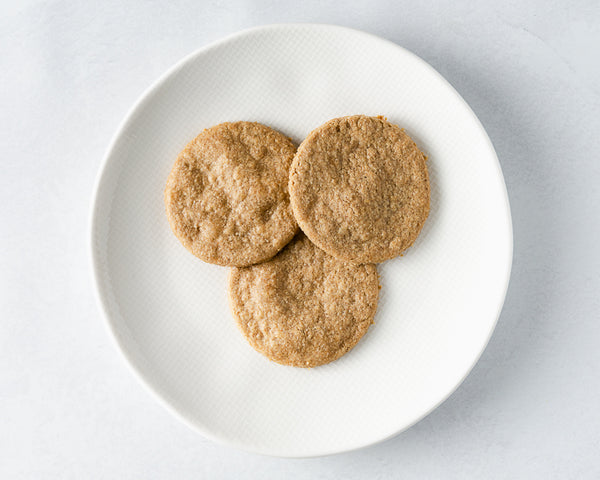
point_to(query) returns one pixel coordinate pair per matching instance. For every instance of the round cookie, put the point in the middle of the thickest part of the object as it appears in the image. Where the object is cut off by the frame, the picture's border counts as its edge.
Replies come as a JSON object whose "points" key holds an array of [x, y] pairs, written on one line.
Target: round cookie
{"points": [[359, 189], [227, 197], [304, 308]]}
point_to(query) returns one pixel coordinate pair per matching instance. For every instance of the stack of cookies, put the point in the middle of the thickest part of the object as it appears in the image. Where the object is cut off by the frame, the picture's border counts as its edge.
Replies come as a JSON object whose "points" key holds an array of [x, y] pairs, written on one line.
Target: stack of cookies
{"points": [[302, 229]]}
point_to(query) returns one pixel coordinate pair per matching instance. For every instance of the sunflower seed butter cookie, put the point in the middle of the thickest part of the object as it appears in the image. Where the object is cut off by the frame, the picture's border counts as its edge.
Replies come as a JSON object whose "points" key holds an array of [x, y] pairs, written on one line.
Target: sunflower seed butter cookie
{"points": [[359, 189], [227, 197], [304, 307]]}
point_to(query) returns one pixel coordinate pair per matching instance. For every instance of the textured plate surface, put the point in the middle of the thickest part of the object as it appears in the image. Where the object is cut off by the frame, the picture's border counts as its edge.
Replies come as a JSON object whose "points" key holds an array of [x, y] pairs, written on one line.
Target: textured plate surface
{"points": [[439, 302]]}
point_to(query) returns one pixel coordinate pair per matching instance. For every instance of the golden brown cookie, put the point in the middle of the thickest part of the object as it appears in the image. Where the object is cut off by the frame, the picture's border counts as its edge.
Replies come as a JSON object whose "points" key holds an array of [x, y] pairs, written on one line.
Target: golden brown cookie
{"points": [[227, 197], [359, 189], [304, 308]]}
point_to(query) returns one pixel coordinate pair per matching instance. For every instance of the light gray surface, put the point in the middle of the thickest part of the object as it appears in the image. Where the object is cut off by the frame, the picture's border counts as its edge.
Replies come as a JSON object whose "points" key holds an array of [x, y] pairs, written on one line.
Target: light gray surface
{"points": [[69, 406]]}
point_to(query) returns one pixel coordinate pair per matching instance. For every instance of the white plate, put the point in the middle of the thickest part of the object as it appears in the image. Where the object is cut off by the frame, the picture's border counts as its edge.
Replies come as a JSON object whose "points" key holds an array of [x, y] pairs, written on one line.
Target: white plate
{"points": [[168, 310]]}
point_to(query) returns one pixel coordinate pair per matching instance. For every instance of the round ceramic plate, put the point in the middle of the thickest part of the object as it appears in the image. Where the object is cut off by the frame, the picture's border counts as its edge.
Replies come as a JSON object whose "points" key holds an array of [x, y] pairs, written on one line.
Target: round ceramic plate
{"points": [[169, 311]]}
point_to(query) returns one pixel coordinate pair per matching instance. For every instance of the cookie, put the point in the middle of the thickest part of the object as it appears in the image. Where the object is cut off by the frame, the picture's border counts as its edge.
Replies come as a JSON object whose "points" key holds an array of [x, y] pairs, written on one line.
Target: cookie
{"points": [[304, 307], [359, 189], [227, 197]]}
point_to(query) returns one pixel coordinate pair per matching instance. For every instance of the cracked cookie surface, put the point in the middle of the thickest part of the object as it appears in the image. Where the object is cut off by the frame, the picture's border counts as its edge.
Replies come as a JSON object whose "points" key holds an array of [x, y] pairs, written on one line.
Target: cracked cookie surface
{"points": [[359, 189], [227, 197], [304, 307]]}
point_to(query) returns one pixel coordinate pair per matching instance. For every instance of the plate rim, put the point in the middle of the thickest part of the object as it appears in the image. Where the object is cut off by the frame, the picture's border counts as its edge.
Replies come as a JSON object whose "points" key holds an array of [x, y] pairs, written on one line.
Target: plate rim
{"points": [[101, 295]]}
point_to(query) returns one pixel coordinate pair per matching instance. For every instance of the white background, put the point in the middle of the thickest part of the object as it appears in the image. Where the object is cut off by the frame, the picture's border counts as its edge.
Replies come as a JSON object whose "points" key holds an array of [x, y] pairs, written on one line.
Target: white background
{"points": [[69, 406]]}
